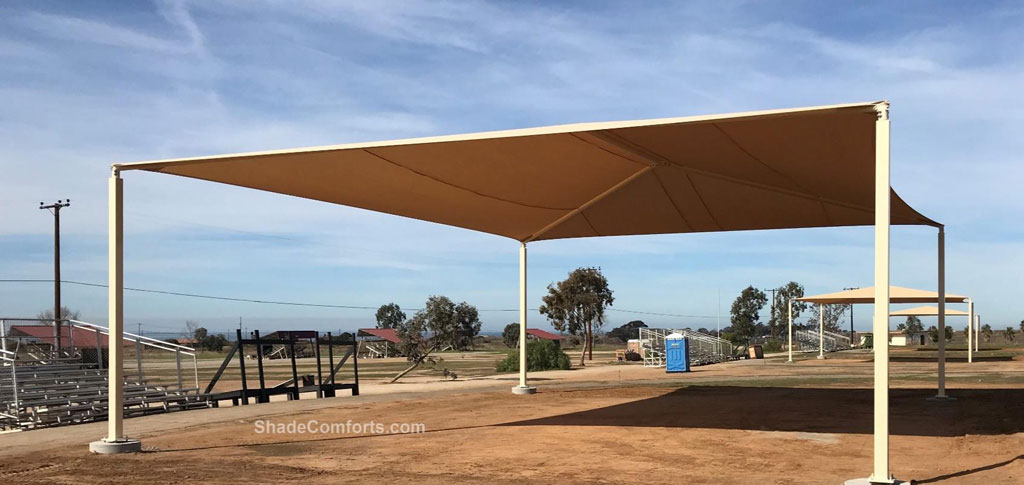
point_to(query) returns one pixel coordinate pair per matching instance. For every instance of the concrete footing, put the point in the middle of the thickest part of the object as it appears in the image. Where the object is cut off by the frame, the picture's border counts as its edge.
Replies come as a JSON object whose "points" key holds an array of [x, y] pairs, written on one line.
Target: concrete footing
{"points": [[821, 357], [105, 447], [524, 390], [867, 481]]}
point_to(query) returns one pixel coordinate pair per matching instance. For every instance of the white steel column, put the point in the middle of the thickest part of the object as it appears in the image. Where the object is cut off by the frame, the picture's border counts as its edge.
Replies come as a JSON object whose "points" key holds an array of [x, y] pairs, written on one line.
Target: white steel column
{"points": [[974, 323], [115, 442], [942, 313], [522, 388], [970, 331], [790, 330], [115, 309], [880, 471], [821, 331]]}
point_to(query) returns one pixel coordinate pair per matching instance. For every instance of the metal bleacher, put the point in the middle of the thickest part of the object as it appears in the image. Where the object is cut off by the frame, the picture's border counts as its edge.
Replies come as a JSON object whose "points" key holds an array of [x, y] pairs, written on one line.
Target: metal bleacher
{"points": [[704, 349], [42, 387]]}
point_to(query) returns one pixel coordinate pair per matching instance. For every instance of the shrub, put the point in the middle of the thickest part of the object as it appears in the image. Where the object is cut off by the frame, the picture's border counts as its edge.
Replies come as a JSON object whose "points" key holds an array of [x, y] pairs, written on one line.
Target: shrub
{"points": [[772, 346], [540, 355]]}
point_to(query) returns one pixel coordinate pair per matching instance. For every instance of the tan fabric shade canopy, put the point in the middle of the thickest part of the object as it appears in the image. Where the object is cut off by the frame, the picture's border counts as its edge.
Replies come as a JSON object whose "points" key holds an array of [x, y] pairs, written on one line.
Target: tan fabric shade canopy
{"points": [[897, 294], [807, 167], [927, 311]]}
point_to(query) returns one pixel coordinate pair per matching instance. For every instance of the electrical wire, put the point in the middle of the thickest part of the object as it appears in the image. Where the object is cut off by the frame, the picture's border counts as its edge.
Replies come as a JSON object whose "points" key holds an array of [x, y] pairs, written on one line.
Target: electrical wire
{"points": [[313, 305]]}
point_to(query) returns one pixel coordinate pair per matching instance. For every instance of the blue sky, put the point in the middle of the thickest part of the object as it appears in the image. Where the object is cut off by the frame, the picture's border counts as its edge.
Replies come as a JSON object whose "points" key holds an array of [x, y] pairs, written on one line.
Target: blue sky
{"points": [[87, 84]]}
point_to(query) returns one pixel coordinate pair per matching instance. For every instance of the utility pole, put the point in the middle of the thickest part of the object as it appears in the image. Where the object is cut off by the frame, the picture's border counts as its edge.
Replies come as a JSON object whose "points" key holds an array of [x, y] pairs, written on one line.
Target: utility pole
{"points": [[140, 328], [852, 344], [55, 210], [771, 317]]}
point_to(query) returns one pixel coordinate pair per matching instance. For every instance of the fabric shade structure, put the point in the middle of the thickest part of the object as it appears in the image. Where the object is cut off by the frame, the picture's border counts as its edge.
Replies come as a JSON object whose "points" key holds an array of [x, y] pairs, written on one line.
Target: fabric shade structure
{"points": [[811, 167], [928, 311], [822, 166], [897, 294]]}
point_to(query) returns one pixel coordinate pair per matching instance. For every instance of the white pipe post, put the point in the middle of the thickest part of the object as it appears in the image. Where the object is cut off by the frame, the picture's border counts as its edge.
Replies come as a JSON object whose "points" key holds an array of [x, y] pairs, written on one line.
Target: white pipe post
{"points": [[115, 310], [942, 313], [880, 472], [523, 388], [973, 323], [790, 330], [821, 331], [970, 331]]}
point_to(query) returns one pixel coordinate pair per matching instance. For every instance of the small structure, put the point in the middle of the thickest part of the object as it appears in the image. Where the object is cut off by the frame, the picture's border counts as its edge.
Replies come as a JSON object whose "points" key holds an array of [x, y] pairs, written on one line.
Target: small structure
{"points": [[536, 333], [323, 385], [677, 353], [379, 342]]}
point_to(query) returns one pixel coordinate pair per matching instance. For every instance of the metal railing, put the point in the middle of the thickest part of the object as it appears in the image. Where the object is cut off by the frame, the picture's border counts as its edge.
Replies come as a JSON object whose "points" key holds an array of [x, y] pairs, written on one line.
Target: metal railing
{"points": [[141, 342], [704, 348]]}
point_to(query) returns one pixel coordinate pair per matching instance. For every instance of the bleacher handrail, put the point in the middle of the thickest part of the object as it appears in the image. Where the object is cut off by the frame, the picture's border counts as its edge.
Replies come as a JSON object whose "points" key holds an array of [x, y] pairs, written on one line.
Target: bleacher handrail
{"points": [[147, 341]]}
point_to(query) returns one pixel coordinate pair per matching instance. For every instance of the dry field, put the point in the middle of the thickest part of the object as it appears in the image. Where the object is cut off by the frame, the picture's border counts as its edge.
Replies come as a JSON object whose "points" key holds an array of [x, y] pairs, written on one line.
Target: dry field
{"points": [[742, 422]]}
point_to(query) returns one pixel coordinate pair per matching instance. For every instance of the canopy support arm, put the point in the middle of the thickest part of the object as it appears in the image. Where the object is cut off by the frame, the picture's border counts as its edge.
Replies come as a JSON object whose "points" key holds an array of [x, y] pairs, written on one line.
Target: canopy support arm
{"points": [[587, 204]]}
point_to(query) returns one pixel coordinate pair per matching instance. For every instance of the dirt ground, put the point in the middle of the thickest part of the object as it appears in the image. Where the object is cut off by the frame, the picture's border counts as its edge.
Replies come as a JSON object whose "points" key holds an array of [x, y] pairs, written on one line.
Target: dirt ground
{"points": [[743, 422]]}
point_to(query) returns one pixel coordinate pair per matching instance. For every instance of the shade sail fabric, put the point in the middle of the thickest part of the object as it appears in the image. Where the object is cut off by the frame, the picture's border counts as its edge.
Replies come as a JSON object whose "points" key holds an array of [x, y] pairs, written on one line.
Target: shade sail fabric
{"points": [[927, 311], [807, 167], [897, 294]]}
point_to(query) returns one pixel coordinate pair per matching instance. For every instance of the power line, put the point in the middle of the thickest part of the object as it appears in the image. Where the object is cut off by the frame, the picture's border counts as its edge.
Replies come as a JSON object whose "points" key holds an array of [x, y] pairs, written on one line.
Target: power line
{"points": [[314, 305]]}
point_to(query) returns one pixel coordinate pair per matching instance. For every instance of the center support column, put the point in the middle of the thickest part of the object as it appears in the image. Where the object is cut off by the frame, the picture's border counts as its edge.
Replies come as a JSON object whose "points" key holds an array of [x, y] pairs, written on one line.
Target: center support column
{"points": [[115, 442], [821, 331], [790, 330], [880, 468], [522, 388], [970, 331], [942, 314]]}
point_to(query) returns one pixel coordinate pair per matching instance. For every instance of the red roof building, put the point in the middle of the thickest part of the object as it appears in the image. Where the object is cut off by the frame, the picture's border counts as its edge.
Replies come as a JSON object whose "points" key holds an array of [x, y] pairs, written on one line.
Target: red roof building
{"points": [[543, 334], [388, 334]]}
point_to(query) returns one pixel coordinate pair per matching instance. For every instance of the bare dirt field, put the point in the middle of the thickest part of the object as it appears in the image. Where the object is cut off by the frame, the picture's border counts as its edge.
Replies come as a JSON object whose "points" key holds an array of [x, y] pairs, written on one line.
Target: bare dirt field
{"points": [[742, 422]]}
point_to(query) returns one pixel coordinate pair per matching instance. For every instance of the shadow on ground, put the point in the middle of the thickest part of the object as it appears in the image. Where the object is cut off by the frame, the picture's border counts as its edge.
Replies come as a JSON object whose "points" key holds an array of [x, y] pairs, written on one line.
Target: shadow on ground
{"points": [[901, 358], [975, 411]]}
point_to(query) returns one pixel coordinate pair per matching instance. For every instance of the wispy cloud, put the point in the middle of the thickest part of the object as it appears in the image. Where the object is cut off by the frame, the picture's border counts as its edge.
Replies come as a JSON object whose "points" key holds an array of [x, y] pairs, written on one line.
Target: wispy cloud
{"points": [[87, 86]]}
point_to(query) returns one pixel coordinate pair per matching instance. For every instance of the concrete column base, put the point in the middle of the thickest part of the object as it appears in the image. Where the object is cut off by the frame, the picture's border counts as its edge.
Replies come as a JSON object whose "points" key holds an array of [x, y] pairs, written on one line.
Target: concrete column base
{"points": [[524, 390], [868, 481], [821, 357], [105, 447]]}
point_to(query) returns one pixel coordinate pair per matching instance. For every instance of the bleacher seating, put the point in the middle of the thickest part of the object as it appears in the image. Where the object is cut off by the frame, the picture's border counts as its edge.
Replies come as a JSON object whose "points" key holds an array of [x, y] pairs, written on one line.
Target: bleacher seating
{"points": [[55, 392]]}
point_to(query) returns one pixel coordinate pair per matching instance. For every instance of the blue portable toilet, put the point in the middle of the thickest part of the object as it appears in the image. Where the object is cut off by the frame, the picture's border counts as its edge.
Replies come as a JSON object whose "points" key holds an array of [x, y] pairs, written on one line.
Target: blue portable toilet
{"points": [[677, 353]]}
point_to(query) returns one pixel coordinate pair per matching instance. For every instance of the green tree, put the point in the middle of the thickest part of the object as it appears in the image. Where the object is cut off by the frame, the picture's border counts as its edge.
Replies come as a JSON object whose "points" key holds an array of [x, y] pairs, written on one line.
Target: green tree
{"points": [[780, 310], [469, 325], [832, 314], [913, 325], [510, 335], [540, 355], [1022, 325], [933, 332], [439, 318], [986, 331], [576, 305], [745, 312], [627, 331], [390, 316], [1010, 333], [65, 314]]}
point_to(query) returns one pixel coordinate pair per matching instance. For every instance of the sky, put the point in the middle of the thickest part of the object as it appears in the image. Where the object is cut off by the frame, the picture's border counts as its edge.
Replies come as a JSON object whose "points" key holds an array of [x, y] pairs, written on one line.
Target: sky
{"points": [[86, 84]]}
